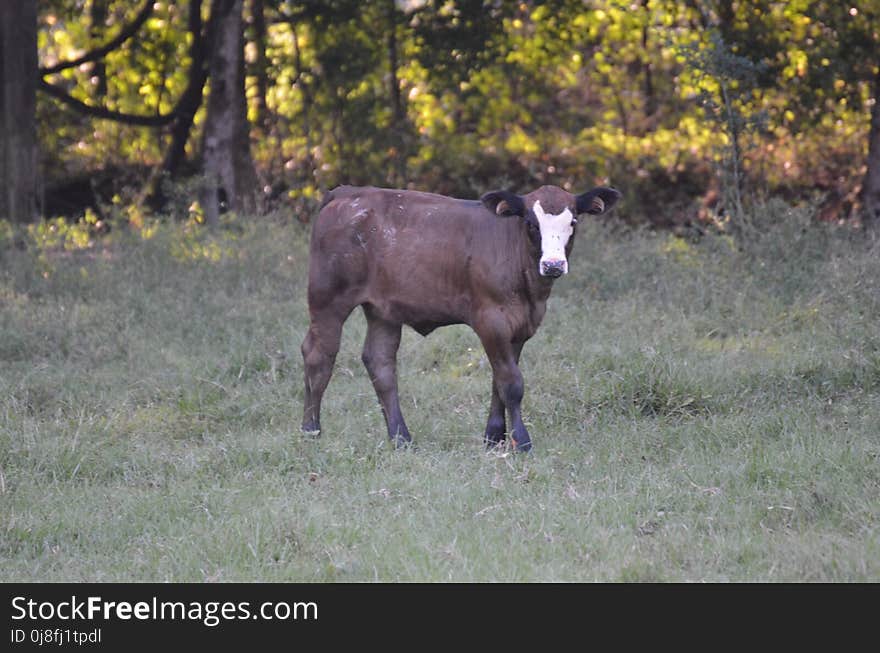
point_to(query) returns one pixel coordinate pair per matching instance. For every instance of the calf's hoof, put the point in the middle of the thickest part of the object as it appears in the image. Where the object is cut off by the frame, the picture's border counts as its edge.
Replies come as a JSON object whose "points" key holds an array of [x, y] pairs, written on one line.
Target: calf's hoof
{"points": [[492, 440], [311, 430], [522, 446], [495, 433], [401, 442]]}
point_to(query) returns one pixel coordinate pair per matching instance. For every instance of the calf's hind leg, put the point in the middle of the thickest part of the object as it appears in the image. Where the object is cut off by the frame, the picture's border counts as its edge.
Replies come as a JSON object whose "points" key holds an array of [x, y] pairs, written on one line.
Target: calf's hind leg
{"points": [[380, 359], [319, 351]]}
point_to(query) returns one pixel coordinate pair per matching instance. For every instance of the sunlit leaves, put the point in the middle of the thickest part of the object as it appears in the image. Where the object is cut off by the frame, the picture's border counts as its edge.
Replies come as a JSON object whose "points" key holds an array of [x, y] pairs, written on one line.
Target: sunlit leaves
{"points": [[493, 93], [145, 77]]}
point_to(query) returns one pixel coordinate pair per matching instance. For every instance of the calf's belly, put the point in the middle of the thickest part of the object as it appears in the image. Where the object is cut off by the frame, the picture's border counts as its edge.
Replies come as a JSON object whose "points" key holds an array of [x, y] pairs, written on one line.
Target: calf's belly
{"points": [[423, 313]]}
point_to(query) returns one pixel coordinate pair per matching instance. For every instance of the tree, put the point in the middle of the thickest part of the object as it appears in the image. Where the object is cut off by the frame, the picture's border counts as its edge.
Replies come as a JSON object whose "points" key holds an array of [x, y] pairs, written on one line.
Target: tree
{"points": [[822, 61], [735, 78], [19, 173], [843, 50], [229, 174], [260, 64], [97, 16], [871, 183], [191, 99], [97, 55], [398, 111], [458, 96]]}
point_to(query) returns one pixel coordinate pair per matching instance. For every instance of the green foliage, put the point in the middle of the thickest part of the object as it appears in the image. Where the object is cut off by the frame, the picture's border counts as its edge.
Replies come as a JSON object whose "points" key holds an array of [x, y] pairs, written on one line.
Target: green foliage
{"points": [[144, 77], [668, 100], [727, 83]]}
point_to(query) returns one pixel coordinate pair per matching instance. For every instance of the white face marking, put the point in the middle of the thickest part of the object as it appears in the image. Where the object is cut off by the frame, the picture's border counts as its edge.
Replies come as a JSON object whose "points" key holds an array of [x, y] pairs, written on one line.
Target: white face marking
{"points": [[555, 232]]}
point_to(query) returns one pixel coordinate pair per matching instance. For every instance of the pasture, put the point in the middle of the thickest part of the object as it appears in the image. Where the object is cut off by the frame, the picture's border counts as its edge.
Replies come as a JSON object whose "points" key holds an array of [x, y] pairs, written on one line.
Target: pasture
{"points": [[701, 411]]}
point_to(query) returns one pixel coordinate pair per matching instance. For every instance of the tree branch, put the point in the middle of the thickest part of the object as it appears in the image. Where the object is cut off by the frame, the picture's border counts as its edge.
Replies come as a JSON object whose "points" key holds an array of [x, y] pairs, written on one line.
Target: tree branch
{"points": [[125, 34], [191, 98], [102, 112]]}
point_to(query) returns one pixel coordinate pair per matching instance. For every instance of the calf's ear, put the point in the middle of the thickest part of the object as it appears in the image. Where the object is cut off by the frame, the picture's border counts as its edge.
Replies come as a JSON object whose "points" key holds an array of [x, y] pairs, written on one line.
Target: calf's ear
{"points": [[596, 201], [504, 203]]}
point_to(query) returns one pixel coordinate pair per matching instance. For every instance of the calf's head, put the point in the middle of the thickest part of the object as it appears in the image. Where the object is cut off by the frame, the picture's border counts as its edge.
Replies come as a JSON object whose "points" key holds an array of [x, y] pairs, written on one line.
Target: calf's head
{"points": [[550, 214]]}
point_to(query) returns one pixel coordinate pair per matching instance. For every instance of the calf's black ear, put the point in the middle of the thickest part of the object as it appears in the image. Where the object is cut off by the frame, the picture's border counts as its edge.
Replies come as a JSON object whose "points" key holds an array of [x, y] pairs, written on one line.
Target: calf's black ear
{"points": [[597, 201], [504, 203]]}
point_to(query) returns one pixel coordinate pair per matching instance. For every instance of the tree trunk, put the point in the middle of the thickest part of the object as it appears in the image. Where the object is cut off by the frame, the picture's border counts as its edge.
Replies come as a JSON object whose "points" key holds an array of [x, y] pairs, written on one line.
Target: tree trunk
{"points": [[650, 97], [191, 99], [97, 16], [726, 19], [399, 114], [307, 102], [870, 195], [261, 64], [186, 108], [18, 88], [229, 174]]}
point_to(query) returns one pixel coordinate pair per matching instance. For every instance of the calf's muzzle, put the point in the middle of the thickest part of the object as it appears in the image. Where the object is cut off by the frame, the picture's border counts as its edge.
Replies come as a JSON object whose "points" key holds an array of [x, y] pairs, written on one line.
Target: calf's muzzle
{"points": [[553, 268]]}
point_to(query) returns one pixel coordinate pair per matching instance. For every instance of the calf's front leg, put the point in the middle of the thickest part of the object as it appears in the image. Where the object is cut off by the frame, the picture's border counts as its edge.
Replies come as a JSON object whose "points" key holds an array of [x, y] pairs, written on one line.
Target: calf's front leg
{"points": [[496, 425], [507, 384]]}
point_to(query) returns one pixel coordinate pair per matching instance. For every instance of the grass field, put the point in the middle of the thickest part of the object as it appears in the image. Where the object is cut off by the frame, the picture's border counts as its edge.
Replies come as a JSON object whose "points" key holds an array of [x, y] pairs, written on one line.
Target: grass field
{"points": [[699, 413]]}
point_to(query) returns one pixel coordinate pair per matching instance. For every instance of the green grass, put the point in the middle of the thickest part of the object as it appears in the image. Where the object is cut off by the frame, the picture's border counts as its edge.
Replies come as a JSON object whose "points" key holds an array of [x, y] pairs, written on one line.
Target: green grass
{"points": [[700, 413]]}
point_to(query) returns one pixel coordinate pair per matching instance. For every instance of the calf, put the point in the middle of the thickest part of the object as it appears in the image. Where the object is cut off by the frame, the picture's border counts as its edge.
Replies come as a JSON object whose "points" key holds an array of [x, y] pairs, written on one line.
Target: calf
{"points": [[428, 261]]}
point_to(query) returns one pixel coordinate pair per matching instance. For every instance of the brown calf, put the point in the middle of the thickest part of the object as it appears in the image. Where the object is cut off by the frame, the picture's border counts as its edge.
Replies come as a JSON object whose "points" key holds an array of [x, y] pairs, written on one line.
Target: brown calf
{"points": [[429, 261]]}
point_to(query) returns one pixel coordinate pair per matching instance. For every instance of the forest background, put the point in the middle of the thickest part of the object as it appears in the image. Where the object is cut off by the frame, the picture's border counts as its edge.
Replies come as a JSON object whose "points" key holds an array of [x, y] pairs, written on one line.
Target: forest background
{"points": [[695, 108]]}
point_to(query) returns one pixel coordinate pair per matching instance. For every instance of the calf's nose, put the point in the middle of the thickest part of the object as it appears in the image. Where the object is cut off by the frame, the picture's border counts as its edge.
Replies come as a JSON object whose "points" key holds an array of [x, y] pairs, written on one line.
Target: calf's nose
{"points": [[553, 267]]}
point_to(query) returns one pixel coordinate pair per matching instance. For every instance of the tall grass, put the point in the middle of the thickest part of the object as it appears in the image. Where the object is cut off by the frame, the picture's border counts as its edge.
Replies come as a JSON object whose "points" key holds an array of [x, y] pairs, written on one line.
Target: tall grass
{"points": [[701, 412]]}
